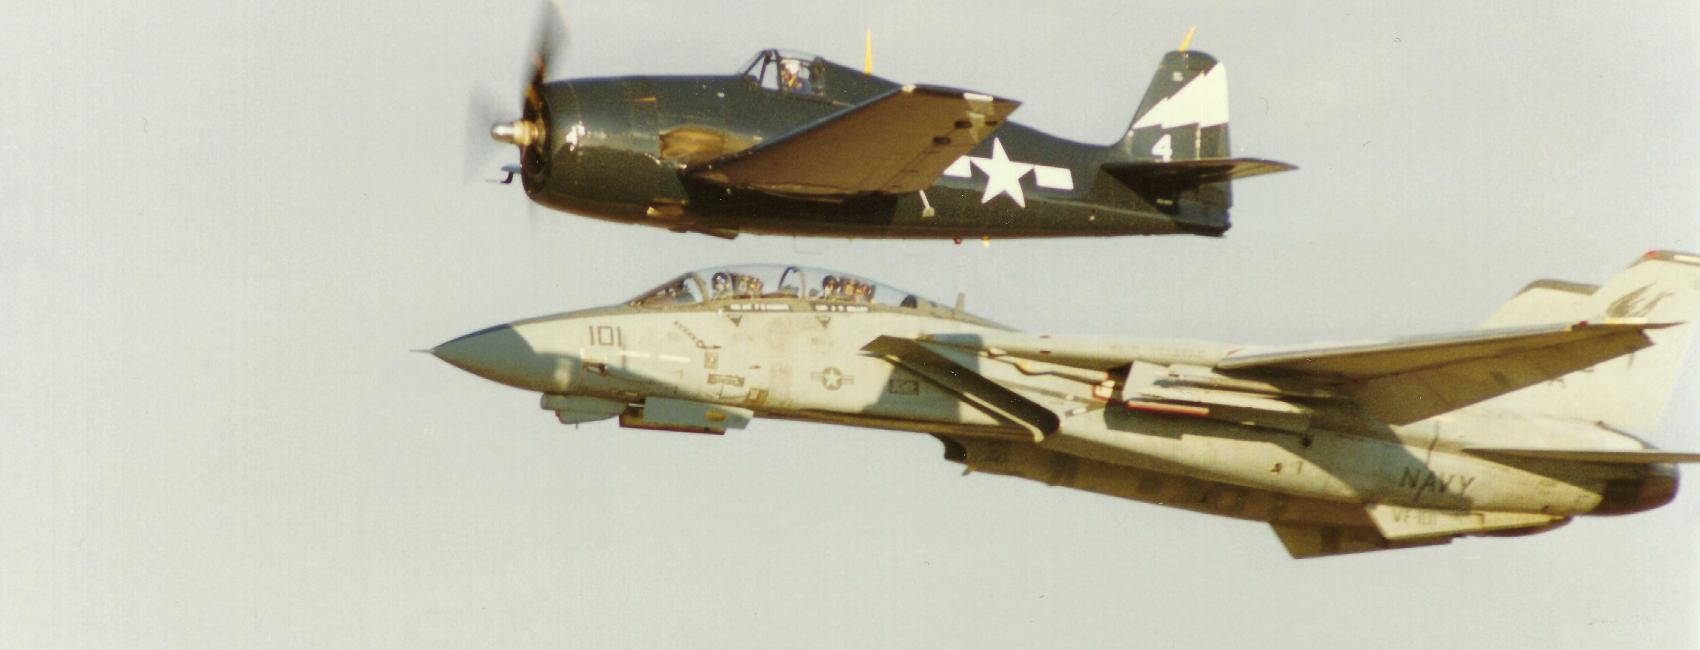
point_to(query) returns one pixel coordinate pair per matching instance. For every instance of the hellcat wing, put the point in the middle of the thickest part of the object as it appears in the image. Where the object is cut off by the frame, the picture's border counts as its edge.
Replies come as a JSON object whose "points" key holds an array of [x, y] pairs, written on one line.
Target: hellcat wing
{"points": [[896, 143]]}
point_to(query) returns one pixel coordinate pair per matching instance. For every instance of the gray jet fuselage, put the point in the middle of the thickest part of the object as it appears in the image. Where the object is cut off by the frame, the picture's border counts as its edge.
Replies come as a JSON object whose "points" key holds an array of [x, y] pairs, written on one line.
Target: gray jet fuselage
{"points": [[793, 355]]}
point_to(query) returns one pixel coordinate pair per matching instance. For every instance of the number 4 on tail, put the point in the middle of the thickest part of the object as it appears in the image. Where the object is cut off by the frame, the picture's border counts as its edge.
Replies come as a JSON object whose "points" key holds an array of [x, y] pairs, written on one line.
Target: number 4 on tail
{"points": [[1164, 149]]}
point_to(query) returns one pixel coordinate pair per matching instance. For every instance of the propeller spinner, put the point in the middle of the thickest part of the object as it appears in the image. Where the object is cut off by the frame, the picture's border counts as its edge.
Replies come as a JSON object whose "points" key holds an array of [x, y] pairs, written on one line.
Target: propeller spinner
{"points": [[531, 131]]}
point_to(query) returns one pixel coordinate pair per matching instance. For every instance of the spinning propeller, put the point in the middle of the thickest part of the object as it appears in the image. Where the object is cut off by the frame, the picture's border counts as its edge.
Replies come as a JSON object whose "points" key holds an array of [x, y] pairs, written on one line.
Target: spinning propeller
{"points": [[531, 131]]}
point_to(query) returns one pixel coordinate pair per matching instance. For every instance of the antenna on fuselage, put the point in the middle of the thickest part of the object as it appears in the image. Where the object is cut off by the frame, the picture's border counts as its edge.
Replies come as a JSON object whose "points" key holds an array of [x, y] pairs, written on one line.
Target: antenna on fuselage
{"points": [[1187, 42], [868, 53]]}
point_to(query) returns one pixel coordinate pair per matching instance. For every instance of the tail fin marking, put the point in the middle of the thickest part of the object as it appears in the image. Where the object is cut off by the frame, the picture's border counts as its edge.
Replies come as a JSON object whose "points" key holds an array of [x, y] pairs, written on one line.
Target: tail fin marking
{"points": [[1629, 392], [1184, 114]]}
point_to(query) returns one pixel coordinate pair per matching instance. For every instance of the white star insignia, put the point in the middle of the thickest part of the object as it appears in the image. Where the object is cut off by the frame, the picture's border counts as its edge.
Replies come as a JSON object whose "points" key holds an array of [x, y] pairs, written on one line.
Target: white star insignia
{"points": [[1003, 176]]}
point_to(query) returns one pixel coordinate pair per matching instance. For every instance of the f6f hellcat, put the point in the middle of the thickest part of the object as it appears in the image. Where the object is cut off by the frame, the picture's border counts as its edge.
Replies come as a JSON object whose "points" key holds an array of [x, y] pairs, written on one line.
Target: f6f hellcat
{"points": [[795, 144]]}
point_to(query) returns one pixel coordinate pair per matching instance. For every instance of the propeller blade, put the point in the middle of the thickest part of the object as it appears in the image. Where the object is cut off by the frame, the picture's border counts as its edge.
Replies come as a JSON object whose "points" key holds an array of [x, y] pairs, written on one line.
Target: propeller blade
{"points": [[551, 37], [529, 129]]}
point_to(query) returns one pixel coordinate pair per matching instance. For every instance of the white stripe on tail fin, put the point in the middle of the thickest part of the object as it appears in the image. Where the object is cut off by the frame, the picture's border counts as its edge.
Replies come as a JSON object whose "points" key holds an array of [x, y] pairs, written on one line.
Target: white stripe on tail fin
{"points": [[1184, 114], [1175, 153], [1202, 101]]}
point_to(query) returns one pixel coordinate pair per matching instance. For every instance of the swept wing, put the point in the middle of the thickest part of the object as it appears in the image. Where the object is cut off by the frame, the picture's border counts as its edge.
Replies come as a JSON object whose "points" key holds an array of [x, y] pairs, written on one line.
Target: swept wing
{"points": [[1406, 380]]}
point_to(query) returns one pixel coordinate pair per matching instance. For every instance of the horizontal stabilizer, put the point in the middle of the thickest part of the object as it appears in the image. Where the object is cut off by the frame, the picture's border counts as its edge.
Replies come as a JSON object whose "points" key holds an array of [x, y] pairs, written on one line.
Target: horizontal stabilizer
{"points": [[1405, 380], [973, 387], [1161, 179], [1626, 457], [895, 143]]}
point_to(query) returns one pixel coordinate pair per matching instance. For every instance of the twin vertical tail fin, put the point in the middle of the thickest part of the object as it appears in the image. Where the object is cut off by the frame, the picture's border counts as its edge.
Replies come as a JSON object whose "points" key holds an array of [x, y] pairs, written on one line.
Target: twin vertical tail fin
{"points": [[1175, 154], [1629, 392]]}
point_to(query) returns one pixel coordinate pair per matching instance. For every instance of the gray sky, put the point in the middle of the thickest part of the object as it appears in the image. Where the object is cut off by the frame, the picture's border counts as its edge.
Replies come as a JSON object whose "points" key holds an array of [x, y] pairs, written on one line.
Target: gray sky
{"points": [[223, 225]]}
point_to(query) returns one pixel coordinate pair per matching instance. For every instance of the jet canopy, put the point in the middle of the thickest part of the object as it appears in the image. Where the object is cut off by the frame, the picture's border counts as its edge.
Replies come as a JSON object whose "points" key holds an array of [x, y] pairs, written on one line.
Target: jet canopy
{"points": [[775, 281]]}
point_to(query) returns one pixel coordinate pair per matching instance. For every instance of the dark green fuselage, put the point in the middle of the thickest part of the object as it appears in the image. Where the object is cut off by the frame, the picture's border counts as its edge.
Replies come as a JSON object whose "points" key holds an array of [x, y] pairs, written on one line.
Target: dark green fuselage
{"points": [[613, 168]]}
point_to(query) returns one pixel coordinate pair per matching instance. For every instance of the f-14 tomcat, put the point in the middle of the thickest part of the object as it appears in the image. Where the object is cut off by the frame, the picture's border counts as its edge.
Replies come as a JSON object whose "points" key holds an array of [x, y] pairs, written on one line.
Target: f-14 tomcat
{"points": [[795, 144], [1509, 429]]}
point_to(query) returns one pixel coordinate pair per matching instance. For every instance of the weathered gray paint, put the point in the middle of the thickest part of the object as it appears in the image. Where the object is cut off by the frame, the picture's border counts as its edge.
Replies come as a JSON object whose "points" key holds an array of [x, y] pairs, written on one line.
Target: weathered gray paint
{"points": [[1146, 420]]}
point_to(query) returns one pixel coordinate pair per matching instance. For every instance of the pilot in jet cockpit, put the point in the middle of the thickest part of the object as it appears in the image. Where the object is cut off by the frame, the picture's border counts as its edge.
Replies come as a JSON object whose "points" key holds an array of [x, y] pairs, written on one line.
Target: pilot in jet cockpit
{"points": [[732, 284], [846, 289], [732, 287]]}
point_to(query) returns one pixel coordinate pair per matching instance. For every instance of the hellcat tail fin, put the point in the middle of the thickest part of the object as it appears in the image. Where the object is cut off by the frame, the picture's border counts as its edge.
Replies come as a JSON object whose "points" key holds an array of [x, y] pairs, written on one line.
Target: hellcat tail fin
{"points": [[1184, 115], [1175, 154]]}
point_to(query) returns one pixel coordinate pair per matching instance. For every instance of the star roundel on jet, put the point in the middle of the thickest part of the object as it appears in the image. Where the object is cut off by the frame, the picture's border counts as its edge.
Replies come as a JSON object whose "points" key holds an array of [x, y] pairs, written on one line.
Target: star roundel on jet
{"points": [[794, 144]]}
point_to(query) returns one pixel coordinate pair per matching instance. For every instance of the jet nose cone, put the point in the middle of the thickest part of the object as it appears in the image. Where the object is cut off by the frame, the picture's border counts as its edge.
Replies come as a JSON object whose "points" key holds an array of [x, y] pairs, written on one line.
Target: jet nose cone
{"points": [[502, 355]]}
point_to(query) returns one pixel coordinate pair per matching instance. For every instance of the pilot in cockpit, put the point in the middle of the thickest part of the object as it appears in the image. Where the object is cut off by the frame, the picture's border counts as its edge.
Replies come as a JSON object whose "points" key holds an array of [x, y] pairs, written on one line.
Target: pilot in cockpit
{"points": [[748, 286], [720, 285], [791, 77]]}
